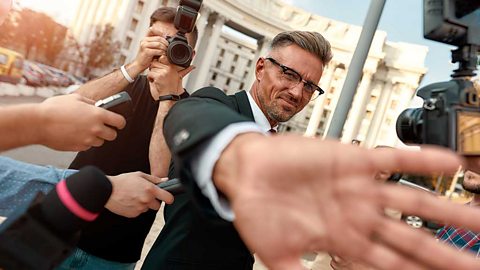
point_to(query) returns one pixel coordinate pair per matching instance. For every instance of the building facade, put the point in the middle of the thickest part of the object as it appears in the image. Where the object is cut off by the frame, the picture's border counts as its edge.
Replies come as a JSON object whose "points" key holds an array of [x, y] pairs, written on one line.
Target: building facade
{"points": [[226, 59]]}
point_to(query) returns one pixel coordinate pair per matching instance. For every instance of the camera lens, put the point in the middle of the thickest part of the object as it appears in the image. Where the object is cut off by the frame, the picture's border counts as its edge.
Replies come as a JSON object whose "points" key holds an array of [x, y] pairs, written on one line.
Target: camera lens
{"points": [[409, 126], [180, 53]]}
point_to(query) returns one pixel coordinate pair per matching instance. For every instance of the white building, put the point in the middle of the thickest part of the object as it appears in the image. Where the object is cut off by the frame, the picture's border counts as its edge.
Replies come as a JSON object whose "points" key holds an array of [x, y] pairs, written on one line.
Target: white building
{"points": [[224, 59]]}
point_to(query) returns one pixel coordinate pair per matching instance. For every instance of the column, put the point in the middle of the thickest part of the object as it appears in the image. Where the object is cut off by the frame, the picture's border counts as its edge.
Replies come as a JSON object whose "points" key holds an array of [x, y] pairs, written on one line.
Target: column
{"points": [[204, 57], [357, 111], [377, 119], [319, 101]]}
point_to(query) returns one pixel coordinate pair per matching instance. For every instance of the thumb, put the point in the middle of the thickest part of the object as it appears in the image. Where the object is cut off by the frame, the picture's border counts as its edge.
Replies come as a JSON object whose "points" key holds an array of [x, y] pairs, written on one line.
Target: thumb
{"points": [[182, 73]]}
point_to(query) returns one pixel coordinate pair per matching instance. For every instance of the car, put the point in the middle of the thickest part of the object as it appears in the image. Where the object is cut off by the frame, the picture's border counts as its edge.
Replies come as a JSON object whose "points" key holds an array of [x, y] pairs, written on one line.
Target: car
{"points": [[33, 75]]}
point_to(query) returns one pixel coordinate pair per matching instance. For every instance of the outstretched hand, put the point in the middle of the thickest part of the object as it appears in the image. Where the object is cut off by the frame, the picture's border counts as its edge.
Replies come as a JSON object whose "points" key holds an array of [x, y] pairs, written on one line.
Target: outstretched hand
{"points": [[293, 195]]}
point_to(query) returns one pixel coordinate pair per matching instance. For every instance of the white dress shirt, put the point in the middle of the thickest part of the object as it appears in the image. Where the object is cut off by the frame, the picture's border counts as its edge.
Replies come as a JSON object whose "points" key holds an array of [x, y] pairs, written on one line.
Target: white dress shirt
{"points": [[203, 164]]}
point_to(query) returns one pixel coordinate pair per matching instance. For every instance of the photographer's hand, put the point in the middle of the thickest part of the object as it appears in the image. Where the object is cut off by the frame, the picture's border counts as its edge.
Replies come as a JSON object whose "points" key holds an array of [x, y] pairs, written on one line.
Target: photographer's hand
{"points": [[152, 46]]}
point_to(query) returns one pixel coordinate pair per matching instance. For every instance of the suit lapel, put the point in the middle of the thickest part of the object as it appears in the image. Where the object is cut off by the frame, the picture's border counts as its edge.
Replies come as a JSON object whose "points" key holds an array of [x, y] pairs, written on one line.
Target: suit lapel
{"points": [[243, 105]]}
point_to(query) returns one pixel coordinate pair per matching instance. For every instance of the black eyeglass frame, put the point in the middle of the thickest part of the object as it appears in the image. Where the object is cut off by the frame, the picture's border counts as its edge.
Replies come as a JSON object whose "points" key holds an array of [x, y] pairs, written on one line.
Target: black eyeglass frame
{"points": [[285, 69]]}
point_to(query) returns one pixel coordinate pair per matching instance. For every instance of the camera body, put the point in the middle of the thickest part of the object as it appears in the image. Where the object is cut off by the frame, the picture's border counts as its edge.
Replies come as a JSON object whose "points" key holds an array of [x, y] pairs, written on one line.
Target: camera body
{"points": [[179, 52], [450, 115]]}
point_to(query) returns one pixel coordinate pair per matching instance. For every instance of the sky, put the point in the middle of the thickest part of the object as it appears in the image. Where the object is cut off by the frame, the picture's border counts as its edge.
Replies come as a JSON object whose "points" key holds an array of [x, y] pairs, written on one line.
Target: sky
{"points": [[401, 19]]}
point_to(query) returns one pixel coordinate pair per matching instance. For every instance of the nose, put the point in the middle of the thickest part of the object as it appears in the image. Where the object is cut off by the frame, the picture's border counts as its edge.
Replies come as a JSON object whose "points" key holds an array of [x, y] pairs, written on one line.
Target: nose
{"points": [[296, 92]]}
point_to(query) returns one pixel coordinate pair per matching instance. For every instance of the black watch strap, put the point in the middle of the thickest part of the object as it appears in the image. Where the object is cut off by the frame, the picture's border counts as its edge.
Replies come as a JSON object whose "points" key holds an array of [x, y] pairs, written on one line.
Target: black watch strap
{"points": [[174, 97]]}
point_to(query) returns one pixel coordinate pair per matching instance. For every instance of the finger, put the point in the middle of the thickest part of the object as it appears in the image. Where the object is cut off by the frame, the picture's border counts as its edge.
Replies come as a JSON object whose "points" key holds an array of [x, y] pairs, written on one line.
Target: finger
{"points": [[107, 133], [163, 195], [154, 32], [154, 204], [113, 119], [159, 64], [427, 161], [163, 179], [152, 179], [156, 45], [184, 72], [419, 245], [372, 251], [154, 52], [95, 142], [422, 204]]}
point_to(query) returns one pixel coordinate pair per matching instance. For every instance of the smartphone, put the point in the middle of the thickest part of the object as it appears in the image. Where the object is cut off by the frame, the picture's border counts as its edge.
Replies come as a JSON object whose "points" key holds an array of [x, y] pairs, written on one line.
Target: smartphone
{"points": [[173, 186], [120, 103]]}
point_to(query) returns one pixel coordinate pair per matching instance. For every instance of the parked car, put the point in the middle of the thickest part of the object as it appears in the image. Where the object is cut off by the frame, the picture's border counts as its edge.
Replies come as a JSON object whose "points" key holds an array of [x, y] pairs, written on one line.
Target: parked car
{"points": [[59, 77], [11, 66], [33, 74]]}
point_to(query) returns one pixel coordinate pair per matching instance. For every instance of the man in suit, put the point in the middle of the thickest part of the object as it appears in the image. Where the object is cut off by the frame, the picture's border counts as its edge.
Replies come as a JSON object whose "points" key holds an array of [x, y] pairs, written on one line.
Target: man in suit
{"points": [[281, 196]]}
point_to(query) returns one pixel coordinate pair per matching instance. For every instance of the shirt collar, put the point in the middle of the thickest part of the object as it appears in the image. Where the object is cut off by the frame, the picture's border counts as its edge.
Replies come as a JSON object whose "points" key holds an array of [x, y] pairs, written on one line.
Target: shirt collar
{"points": [[258, 115]]}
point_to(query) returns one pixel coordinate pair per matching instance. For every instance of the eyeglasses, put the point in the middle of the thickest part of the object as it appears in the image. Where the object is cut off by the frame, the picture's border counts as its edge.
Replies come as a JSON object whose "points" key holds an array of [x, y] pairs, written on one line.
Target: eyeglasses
{"points": [[291, 78]]}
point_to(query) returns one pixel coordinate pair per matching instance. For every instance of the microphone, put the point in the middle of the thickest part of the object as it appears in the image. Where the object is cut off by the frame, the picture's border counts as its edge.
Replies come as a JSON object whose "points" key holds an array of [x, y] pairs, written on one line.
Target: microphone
{"points": [[42, 234]]}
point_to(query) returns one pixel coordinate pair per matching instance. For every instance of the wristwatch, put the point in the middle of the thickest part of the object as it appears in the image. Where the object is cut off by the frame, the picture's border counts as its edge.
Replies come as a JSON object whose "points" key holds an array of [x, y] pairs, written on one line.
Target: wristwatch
{"points": [[174, 97]]}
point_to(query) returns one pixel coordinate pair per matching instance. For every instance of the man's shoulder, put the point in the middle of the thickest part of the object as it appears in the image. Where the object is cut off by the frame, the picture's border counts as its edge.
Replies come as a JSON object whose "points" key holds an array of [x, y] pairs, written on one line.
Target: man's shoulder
{"points": [[214, 93]]}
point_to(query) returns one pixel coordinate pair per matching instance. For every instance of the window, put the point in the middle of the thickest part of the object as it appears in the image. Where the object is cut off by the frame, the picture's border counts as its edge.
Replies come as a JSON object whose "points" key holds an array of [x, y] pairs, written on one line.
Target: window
{"points": [[128, 42], [219, 63], [394, 104], [134, 25], [241, 86], [232, 69], [249, 64], [245, 74], [214, 76], [222, 52], [235, 58], [123, 58], [139, 7], [368, 115], [228, 82]]}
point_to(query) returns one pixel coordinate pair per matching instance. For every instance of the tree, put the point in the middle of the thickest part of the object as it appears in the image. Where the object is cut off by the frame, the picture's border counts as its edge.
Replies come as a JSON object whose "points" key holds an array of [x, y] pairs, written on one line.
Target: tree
{"points": [[26, 31], [100, 52]]}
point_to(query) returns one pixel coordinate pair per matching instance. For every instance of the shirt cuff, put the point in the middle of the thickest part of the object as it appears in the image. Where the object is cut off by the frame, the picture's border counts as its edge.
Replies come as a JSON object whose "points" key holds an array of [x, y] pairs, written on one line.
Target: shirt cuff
{"points": [[203, 164]]}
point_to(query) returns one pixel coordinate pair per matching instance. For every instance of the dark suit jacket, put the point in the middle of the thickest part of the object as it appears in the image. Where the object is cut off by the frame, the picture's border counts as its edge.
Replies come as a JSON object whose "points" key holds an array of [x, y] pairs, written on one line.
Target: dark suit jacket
{"points": [[194, 237]]}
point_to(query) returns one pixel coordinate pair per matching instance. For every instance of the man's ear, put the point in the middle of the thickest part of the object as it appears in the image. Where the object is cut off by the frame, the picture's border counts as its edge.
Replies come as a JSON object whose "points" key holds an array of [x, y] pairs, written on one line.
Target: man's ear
{"points": [[259, 68]]}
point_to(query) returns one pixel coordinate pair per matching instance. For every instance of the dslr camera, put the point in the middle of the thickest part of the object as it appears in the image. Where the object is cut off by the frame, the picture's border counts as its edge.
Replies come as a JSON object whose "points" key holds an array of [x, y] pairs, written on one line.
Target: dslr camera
{"points": [[450, 115], [179, 52]]}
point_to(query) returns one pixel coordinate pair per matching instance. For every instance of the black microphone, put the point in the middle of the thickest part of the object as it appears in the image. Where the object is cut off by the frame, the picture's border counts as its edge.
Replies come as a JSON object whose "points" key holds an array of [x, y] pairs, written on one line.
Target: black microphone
{"points": [[43, 233]]}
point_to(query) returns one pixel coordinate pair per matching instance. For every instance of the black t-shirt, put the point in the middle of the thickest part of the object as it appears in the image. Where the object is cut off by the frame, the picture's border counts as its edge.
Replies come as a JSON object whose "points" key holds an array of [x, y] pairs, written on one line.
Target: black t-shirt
{"points": [[110, 236]]}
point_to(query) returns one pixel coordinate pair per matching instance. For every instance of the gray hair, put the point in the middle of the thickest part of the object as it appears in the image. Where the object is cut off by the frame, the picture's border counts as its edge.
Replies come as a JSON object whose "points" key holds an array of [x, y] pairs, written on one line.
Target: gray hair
{"points": [[312, 42]]}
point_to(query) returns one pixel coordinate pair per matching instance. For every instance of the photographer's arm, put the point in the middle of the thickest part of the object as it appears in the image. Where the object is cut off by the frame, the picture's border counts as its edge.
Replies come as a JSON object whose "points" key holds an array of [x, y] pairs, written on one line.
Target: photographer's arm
{"points": [[151, 46], [166, 79]]}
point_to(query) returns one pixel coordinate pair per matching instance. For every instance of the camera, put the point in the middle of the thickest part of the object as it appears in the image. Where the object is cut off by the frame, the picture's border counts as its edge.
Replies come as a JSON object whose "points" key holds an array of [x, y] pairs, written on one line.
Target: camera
{"points": [[450, 115], [179, 52]]}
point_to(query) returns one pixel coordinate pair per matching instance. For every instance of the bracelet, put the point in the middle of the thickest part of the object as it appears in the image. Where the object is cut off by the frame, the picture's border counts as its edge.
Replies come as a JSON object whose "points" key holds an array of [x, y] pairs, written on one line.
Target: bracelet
{"points": [[174, 97], [125, 74]]}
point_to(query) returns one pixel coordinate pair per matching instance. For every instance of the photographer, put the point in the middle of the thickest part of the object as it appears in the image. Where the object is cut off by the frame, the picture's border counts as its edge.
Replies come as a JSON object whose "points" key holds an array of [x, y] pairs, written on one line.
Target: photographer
{"points": [[115, 241]]}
